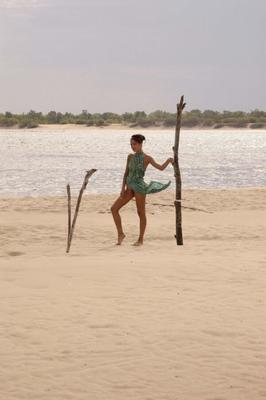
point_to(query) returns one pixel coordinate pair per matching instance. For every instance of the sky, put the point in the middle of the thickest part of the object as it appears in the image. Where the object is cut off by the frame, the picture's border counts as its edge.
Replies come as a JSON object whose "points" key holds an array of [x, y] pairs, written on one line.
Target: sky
{"points": [[128, 55]]}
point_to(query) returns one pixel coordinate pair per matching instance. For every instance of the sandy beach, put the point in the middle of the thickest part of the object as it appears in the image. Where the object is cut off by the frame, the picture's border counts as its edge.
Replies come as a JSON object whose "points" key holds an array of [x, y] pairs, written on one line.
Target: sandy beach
{"points": [[118, 322]]}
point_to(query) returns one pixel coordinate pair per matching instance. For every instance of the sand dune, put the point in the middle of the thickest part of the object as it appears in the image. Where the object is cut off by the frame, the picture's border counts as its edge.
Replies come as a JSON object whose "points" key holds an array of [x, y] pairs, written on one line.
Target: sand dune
{"points": [[158, 322]]}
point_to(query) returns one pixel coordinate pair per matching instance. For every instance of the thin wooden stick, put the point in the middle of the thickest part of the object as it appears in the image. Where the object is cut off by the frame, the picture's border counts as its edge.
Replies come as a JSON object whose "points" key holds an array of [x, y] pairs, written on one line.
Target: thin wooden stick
{"points": [[177, 203], [69, 213], [83, 187]]}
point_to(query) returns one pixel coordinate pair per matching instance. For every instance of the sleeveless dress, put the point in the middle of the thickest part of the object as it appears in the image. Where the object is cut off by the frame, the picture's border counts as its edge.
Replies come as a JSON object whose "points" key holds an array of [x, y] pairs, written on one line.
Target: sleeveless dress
{"points": [[135, 177]]}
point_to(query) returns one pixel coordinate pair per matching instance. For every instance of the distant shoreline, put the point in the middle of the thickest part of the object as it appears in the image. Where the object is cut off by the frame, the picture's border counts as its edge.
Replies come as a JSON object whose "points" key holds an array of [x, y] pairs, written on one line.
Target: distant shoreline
{"points": [[127, 127]]}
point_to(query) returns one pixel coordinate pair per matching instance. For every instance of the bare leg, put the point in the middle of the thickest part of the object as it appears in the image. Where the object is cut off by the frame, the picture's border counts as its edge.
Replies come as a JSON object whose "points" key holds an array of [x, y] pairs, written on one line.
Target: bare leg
{"points": [[120, 202], [140, 203]]}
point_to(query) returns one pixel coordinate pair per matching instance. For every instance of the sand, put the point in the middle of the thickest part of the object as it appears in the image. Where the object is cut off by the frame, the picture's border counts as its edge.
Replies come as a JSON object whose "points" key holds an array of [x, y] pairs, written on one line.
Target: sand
{"points": [[157, 322]]}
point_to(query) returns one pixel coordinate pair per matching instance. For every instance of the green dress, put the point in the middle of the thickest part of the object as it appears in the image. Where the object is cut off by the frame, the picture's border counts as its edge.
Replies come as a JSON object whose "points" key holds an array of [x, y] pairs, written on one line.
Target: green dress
{"points": [[135, 177]]}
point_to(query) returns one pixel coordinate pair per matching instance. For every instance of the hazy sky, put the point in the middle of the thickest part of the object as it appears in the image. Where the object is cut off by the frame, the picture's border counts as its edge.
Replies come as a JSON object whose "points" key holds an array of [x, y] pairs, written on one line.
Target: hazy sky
{"points": [[128, 55]]}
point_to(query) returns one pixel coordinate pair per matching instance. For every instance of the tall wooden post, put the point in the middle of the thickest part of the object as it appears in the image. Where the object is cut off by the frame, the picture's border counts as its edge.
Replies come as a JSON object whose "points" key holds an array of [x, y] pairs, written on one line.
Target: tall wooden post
{"points": [[178, 235], [71, 227], [68, 213]]}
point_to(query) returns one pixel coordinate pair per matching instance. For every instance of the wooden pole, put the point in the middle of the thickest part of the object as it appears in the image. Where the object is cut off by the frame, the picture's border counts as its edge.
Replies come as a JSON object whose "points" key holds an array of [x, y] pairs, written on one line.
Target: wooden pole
{"points": [[69, 214], [177, 203], [83, 187]]}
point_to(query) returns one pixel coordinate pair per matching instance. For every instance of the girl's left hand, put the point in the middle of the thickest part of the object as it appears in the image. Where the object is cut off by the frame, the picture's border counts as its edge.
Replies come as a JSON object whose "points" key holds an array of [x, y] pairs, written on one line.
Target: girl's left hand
{"points": [[171, 160]]}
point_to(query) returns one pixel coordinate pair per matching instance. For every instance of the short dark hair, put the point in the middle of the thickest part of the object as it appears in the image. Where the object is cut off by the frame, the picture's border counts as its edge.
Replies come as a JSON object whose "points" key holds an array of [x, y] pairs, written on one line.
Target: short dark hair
{"points": [[138, 138]]}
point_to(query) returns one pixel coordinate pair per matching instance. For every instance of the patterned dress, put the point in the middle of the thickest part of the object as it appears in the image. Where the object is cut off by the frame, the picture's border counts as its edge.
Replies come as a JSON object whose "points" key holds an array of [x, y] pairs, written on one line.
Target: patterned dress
{"points": [[135, 178]]}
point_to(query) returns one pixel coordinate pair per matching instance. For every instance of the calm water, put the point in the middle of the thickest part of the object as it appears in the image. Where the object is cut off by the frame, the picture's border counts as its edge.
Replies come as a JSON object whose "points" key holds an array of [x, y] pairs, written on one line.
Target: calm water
{"points": [[37, 162]]}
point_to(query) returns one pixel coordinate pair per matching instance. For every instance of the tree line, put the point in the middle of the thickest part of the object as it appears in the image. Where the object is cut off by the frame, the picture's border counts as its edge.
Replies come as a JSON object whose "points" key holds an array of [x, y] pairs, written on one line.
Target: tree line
{"points": [[158, 118]]}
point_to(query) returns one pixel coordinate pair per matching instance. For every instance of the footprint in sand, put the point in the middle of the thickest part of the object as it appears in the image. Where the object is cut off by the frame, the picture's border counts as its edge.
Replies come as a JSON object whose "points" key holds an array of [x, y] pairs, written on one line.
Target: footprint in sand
{"points": [[15, 253]]}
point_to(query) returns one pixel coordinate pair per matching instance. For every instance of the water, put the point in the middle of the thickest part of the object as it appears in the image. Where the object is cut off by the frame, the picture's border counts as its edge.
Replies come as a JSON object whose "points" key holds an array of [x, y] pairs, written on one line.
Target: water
{"points": [[37, 162]]}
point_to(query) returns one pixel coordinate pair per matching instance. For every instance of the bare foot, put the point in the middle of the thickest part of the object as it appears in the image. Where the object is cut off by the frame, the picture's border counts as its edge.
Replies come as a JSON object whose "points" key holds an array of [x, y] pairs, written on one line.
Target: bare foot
{"points": [[138, 243], [121, 236]]}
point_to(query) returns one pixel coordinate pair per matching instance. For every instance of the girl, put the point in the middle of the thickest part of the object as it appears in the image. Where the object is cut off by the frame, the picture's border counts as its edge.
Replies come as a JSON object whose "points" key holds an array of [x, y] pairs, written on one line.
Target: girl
{"points": [[133, 185]]}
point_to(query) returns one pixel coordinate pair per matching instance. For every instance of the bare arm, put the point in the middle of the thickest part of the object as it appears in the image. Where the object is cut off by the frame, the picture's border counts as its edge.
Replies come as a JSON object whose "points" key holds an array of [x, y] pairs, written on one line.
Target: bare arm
{"points": [[161, 167]]}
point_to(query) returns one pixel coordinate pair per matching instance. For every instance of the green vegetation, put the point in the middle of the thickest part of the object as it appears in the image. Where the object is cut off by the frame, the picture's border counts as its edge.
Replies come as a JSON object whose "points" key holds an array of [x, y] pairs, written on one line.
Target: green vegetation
{"points": [[191, 119]]}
